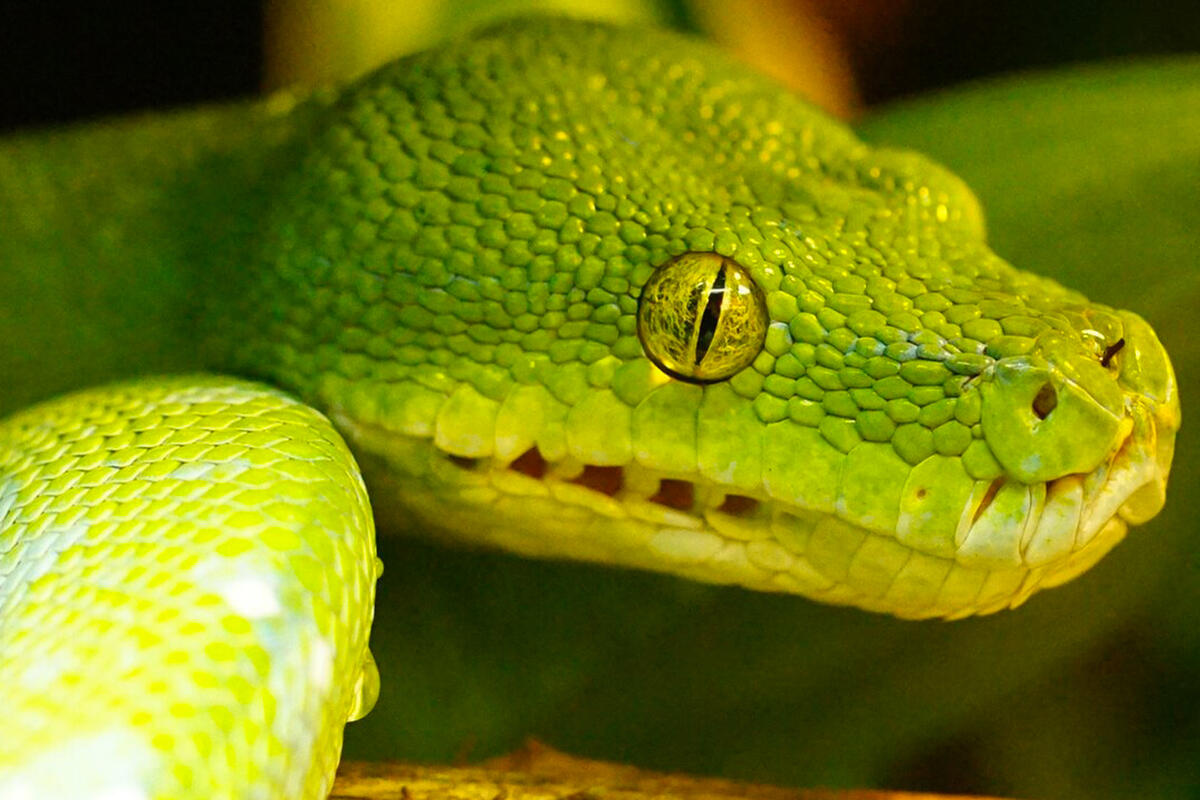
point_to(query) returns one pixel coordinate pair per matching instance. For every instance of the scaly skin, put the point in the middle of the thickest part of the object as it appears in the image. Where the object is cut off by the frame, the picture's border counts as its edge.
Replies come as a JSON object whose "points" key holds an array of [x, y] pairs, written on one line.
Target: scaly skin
{"points": [[447, 260], [171, 625]]}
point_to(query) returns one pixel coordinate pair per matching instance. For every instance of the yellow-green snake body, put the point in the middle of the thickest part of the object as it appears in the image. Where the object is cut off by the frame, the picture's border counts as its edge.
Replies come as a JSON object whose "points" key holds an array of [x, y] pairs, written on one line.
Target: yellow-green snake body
{"points": [[565, 289]]}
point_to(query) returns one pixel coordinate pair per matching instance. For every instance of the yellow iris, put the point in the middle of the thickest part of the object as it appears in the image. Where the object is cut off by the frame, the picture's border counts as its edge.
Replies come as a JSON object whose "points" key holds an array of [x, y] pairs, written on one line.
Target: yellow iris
{"points": [[701, 318]]}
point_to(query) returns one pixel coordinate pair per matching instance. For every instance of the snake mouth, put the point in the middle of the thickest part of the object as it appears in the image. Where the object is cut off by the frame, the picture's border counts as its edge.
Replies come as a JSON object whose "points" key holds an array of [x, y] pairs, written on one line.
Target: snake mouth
{"points": [[1010, 539], [1090, 513], [659, 499], [686, 524], [626, 515]]}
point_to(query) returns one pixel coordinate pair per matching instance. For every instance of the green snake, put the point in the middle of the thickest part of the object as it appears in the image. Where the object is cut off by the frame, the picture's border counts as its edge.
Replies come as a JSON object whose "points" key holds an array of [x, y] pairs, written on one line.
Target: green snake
{"points": [[561, 288]]}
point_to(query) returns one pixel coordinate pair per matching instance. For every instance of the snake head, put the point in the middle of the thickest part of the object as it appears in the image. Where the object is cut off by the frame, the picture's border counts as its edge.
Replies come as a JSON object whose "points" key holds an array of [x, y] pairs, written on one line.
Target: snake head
{"points": [[656, 312]]}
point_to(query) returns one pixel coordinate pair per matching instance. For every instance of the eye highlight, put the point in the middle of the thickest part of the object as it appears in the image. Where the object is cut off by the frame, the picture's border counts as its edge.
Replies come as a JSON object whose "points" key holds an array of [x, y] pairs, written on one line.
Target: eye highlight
{"points": [[701, 318]]}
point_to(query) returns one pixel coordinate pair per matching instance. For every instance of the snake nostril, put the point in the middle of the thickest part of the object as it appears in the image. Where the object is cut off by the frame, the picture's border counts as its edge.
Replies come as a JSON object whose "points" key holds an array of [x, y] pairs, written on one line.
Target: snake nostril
{"points": [[1045, 401], [464, 462]]}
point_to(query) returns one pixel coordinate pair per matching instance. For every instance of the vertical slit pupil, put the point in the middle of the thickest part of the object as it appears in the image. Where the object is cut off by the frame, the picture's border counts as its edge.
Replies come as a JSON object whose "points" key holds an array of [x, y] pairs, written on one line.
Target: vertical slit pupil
{"points": [[711, 315]]}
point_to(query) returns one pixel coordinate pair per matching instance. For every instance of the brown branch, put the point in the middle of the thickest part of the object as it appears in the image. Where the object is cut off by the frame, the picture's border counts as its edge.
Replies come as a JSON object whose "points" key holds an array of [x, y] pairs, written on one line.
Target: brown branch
{"points": [[539, 773]]}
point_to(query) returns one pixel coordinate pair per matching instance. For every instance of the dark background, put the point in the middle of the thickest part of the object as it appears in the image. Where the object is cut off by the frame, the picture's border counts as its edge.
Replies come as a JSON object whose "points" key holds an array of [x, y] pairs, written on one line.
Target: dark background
{"points": [[68, 61]]}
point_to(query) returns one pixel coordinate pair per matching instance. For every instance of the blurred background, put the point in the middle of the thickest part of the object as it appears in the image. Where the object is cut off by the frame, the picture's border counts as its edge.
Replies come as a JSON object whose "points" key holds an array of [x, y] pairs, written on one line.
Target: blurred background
{"points": [[1092, 690], [64, 61]]}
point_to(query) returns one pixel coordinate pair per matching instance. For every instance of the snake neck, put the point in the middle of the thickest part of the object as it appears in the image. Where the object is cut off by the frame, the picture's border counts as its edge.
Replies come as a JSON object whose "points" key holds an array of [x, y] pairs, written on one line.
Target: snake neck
{"points": [[115, 236]]}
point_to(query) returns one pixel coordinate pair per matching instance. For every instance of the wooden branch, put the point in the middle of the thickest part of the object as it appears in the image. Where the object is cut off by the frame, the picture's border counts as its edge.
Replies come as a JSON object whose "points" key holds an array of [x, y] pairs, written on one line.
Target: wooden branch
{"points": [[538, 772]]}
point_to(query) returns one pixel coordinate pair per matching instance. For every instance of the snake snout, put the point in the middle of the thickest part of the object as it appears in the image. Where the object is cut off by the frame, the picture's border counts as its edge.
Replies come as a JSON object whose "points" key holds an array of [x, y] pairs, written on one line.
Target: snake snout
{"points": [[1101, 424], [1064, 410]]}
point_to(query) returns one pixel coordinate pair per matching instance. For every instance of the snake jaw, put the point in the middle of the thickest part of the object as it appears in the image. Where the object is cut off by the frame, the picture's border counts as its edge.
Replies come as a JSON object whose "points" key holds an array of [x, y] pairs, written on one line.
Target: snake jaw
{"points": [[1083, 516], [1127, 490], [1135, 478], [1086, 515]]}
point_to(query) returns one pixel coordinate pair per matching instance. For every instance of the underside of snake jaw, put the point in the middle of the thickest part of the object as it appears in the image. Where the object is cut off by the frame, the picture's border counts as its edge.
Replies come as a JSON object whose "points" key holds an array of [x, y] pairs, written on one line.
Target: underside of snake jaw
{"points": [[1008, 541]]}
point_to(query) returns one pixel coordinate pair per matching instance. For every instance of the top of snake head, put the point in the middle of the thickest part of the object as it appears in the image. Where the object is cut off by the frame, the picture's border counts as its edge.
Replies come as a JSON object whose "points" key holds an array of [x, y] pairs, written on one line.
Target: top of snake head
{"points": [[596, 293]]}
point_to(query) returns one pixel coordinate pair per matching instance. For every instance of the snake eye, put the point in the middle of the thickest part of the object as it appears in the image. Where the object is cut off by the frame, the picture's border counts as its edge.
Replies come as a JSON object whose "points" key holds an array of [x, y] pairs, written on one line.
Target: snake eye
{"points": [[701, 318]]}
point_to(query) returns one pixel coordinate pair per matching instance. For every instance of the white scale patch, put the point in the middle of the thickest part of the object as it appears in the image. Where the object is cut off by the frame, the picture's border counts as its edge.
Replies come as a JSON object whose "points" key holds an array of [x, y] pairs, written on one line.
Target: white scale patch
{"points": [[41, 674], [320, 665], [251, 597], [109, 765]]}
